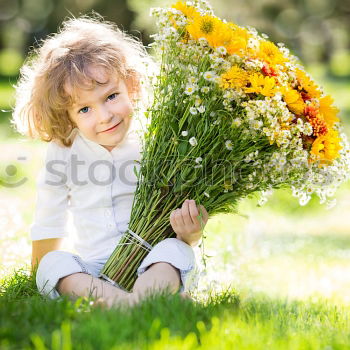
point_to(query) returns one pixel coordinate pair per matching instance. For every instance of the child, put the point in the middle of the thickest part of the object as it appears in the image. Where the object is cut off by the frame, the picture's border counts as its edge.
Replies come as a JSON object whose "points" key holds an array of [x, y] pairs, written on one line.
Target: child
{"points": [[80, 91]]}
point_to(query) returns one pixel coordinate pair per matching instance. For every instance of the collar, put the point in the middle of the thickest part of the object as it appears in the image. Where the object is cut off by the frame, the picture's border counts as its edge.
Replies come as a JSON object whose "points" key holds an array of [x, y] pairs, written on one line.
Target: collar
{"points": [[101, 152]]}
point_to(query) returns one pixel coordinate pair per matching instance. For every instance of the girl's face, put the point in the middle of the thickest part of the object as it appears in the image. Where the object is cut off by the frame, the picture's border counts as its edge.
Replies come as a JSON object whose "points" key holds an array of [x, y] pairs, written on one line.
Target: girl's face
{"points": [[103, 113]]}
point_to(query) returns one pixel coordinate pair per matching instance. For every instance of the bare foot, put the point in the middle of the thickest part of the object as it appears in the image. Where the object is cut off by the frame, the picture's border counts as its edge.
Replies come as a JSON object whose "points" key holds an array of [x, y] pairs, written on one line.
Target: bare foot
{"points": [[185, 295], [113, 302], [133, 299]]}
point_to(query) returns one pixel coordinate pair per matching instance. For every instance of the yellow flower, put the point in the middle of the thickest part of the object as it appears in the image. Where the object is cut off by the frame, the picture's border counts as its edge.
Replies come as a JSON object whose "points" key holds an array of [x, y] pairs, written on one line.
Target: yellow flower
{"points": [[234, 78], [270, 53], [239, 39], [221, 36], [293, 100], [326, 147], [218, 33], [328, 111], [305, 83], [188, 11], [203, 26], [261, 85]]}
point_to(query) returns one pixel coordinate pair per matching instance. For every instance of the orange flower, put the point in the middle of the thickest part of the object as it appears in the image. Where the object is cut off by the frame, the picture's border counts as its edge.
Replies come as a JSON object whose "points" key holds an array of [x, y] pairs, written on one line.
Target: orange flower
{"points": [[328, 112], [306, 84], [269, 71], [319, 125]]}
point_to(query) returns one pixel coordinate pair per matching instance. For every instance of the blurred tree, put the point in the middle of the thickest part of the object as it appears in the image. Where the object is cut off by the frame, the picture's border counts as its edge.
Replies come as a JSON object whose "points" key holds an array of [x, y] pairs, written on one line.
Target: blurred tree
{"points": [[25, 22], [315, 30]]}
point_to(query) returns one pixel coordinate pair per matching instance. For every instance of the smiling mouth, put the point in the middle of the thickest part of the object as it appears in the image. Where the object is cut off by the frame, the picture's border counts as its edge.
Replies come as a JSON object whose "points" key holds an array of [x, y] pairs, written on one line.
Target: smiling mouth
{"points": [[112, 128]]}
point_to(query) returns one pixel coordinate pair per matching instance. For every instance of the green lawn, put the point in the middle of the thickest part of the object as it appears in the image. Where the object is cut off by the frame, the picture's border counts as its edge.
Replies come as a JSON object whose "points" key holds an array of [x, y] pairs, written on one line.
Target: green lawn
{"points": [[277, 277], [223, 320]]}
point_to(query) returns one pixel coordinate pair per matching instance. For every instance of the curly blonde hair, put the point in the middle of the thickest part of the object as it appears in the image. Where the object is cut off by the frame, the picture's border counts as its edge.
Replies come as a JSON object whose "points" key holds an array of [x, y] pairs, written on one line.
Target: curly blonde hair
{"points": [[64, 58]]}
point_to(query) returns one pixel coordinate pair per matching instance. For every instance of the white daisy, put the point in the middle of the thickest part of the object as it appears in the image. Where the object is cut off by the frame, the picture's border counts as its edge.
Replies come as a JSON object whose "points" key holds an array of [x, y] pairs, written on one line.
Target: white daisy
{"points": [[237, 122], [221, 50], [282, 161], [193, 141], [198, 101], [193, 110], [309, 190], [203, 41], [229, 145], [184, 133], [209, 75], [262, 201], [205, 89], [201, 109], [330, 191], [257, 124], [278, 167], [304, 200], [331, 203], [181, 23], [190, 89], [308, 129]]}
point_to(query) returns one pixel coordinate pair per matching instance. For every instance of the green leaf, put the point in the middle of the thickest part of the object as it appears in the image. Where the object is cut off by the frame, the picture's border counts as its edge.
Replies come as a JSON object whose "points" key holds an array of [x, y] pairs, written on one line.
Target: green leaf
{"points": [[136, 172], [175, 127], [183, 146]]}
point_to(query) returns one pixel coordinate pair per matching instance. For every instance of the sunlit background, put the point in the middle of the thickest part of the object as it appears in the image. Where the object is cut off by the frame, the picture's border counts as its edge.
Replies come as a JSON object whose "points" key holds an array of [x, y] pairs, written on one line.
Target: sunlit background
{"points": [[281, 249]]}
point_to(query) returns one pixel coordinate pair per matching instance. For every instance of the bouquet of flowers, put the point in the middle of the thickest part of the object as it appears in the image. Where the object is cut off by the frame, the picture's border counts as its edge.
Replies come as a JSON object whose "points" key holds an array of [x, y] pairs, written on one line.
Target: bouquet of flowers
{"points": [[233, 115]]}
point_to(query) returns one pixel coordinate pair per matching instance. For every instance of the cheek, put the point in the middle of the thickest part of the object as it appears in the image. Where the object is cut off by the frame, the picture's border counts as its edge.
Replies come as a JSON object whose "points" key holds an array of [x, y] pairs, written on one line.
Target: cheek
{"points": [[127, 109], [124, 107], [86, 125]]}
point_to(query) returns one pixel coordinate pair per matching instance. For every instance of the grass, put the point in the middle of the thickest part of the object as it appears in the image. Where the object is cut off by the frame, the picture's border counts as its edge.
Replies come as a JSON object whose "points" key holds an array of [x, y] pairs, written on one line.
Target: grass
{"points": [[224, 320], [275, 279]]}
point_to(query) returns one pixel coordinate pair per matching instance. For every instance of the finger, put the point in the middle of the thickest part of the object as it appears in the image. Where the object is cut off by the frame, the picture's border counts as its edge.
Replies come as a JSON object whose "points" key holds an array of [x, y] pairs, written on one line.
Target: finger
{"points": [[173, 218], [179, 218], [194, 211], [186, 213], [173, 221]]}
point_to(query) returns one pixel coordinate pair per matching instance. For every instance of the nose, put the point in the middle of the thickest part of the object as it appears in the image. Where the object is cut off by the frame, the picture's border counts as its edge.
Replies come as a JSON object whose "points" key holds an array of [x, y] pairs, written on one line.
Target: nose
{"points": [[104, 114]]}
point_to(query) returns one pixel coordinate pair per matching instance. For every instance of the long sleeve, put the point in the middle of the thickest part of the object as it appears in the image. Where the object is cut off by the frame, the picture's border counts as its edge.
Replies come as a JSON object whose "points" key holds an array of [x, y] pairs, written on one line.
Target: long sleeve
{"points": [[52, 196]]}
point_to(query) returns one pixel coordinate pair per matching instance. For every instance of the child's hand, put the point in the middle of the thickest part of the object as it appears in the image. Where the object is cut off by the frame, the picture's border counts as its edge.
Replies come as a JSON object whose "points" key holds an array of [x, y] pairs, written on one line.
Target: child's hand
{"points": [[186, 223]]}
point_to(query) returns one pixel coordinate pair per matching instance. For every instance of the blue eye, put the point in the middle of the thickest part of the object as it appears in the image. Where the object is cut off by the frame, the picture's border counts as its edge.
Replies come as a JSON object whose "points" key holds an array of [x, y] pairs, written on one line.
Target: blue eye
{"points": [[84, 110], [112, 97]]}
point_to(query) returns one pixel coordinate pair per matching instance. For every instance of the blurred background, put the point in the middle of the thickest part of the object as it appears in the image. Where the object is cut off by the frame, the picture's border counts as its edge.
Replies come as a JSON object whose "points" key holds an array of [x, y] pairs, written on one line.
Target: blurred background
{"points": [[281, 248]]}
